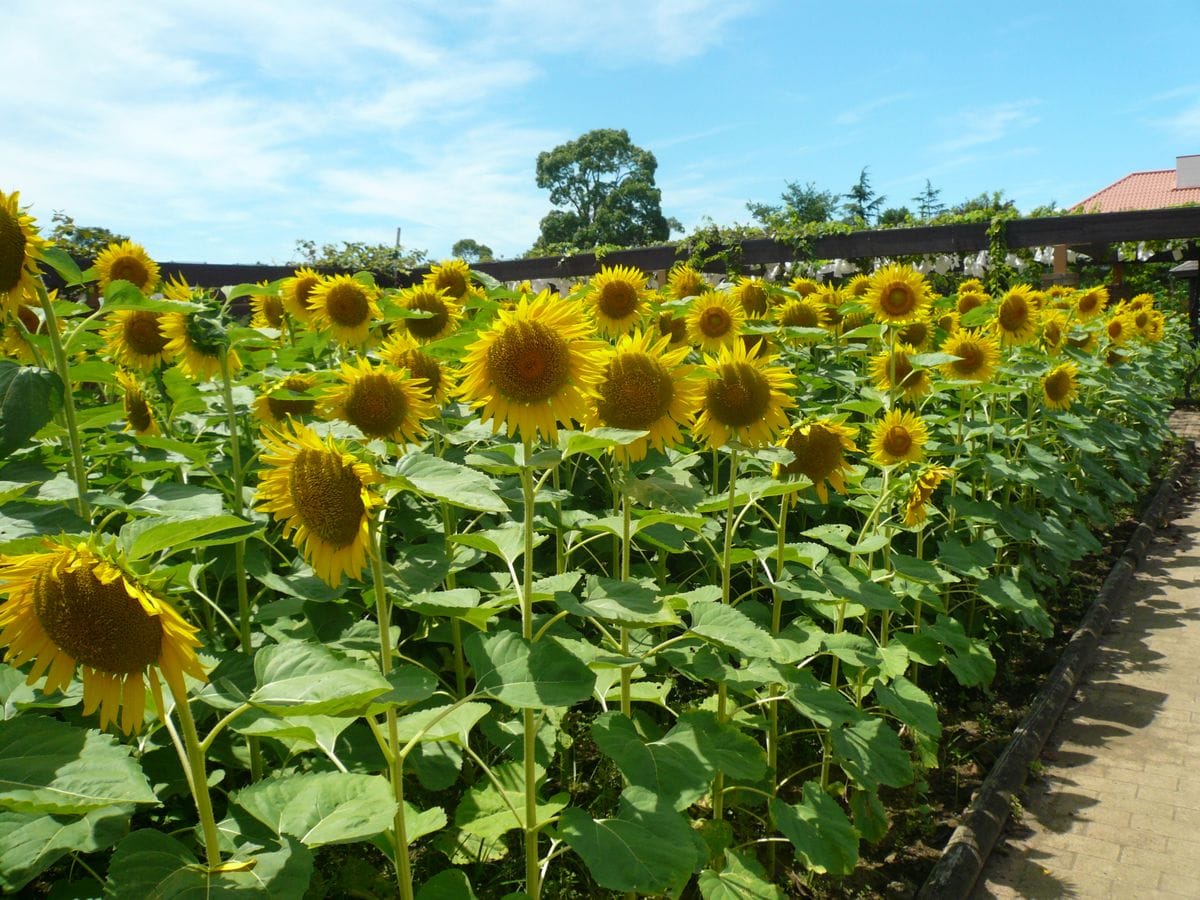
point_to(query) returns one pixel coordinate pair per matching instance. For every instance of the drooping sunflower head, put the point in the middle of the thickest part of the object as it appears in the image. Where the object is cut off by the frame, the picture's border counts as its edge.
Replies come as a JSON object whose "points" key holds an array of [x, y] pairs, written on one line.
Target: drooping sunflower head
{"points": [[196, 343], [323, 496], [531, 368], [135, 339], [1084, 340], [1120, 328], [297, 293], [346, 308], [618, 299], [684, 281], [1054, 330], [899, 438], [267, 310], [1155, 326], [947, 320], [714, 320], [643, 386], [894, 370], [70, 605], [978, 356], [20, 249], [127, 261], [918, 333], [1060, 385], [804, 286], [1059, 296], [139, 416], [1141, 301], [807, 312], [402, 352], [674, 327], [745, 398], [820, 449], [381, 402], [445, 312], [969, 300], [922, 490], [1017, 315], [1090, 303], [452, 276], [898, 294], [286, 397], [754, 295]]}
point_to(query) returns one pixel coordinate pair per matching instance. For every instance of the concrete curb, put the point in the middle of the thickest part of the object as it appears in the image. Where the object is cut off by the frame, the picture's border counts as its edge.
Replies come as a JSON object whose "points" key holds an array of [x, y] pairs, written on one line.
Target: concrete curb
{"points": [[955, 873]]}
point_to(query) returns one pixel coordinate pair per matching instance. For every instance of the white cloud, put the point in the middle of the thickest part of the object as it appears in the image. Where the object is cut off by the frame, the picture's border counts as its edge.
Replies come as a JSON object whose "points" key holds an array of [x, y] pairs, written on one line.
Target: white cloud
{"points": [[1184, 125], [857, 114], [985, 125]]}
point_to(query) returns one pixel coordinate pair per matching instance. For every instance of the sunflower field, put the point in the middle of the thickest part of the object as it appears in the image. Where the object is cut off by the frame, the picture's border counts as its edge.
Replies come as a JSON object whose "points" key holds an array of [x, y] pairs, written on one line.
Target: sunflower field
{"points": [[314, 588]]}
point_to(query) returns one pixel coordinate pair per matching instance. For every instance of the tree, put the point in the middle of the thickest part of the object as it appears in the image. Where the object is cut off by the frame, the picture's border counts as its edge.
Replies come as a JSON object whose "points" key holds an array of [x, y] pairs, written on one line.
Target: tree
{"points": [[83, 242], [606, 184], [986, 204], [356, 256], [801, 204], [929, 202], [470, 250], [894, 216], [863, 203]]}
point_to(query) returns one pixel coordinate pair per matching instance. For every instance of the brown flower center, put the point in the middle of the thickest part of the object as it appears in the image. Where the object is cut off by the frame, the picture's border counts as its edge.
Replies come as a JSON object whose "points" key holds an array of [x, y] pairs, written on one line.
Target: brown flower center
{"points": [[427, 329], [141, 333], [422, 367], [327, 495], [800, 314], [676, 328], [897, 441], [377, 406], [452, 281], [282, 407], [618, 299], [1053, 333], [1013, 314], [131, 269], [754, 299], [818, 453], [99, 624], [528, 362], [303, 289], [898, 300], [12, 250], [972, 358], [715, 322], [347, 305], [915, 333], [899, 368], [1058, 385], [137, 412], [271, 309], [968, 301], [738, 396], [635, 392]]}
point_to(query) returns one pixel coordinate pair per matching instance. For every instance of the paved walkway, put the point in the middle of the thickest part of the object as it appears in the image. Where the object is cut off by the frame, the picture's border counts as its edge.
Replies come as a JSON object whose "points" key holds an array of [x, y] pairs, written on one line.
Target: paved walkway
{"points": [[1116, 811]]}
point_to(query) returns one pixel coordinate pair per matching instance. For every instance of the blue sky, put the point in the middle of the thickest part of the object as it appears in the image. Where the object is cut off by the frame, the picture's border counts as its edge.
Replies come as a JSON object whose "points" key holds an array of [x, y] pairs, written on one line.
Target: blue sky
{"points": [[224, 131]]}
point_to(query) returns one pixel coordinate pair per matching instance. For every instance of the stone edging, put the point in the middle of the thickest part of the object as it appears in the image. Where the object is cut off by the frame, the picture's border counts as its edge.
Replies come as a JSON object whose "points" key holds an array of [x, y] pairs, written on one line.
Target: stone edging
{"points": [[955, 873]]}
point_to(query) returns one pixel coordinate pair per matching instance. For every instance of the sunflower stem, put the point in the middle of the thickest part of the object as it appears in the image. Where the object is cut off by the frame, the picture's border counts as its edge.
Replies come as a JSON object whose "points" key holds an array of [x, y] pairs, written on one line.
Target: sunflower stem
{"points": [[63, 369], [775, 690], [235, 460], [460, 665], [718, 804], [198, 772], [626, 528], [533, 878]]}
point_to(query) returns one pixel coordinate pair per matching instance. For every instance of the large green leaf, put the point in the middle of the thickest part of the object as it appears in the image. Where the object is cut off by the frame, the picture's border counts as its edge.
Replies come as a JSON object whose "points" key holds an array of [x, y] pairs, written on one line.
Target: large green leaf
{"points": [[527, 675], [441, 723], [49, 767], [449, 482], [146, 536], [29, 398], [970, 659], [448, 884], [30, 842], [910, 705], [154, 865], [629, 603], [322, 808], [490, 808], [824, 839], [506, 542], [596, 441], [742, 878], [820, 702], [731, 629], [871, 754], [679, 767], [1009, 593], [298, 678]]}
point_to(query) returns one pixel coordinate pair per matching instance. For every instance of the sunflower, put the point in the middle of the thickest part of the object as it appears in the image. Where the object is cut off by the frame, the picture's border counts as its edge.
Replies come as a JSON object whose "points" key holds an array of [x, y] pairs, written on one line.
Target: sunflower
{"points": [[1090, 303], [127, 261], [894, 371], [617, 299], [927, 482], [947, 320], [1059, 296], [1084, 341], [898, 438], [804, 286], [20, 249], [1120, 328], [16, 345], [196, 344], [135, 339], [444, 309], [969, 300], [820, 453], [273, 409], [323, 494], [68, 605], [674, 327], [745, 398], [1060, 386], [978, 356], [803, 313], [1017, 315], [297, 292], [858, 287], [381, 402], [1154, 327], [683, 281], [898, 294], [452, 276], [970, 284], [1141, 301], [345, 307], [918, 333], [267, 310], [139, 417], [643, 387], [403, 352], [754, 295], [530, 370], [715, 320], [1054, 330]]}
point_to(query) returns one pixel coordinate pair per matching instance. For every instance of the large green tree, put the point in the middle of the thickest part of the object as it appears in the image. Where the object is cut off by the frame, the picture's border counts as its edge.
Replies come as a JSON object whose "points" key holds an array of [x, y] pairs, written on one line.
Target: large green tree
{"points": [[604, 187], [357, 256], [862, 203], [470, 250], [83, 242], [800, 205]]}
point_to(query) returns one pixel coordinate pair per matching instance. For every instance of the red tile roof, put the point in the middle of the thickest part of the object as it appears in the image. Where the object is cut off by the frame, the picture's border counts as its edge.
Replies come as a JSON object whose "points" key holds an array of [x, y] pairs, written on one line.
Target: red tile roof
{"points": [[1140, 190]]}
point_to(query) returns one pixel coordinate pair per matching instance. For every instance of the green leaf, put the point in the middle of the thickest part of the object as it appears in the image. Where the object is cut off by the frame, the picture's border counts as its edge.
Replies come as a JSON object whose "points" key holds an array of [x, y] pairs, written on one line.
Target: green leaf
{"points": [[63, 263], [679, 767], [871, 754], [31, 842], [460, 603], [741, 879], [144, 537], [910, 705], [29, 398], [49, 767], [322, 808], [630, 603], [441, 723], [731, 629], [506, 542], [490, 809], [820, 702], [1008, 593], [152, 864], [448, 884], [431, 476], [972, 560], [970, 660], [824, 839], [750, 489], [527, 675], [870, 816], [920, 570], [597, 440], [299, 678]]}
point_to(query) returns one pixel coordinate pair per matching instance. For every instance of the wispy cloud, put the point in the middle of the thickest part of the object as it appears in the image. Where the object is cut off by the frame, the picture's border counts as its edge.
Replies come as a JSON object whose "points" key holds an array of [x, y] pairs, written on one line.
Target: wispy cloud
{"points": [[975, 127], [857, 114], [1184, 125]]}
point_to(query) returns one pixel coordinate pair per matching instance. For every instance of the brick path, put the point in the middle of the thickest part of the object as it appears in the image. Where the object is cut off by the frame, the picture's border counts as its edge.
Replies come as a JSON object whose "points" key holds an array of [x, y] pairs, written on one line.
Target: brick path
{"points": [[1116, 811]]}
